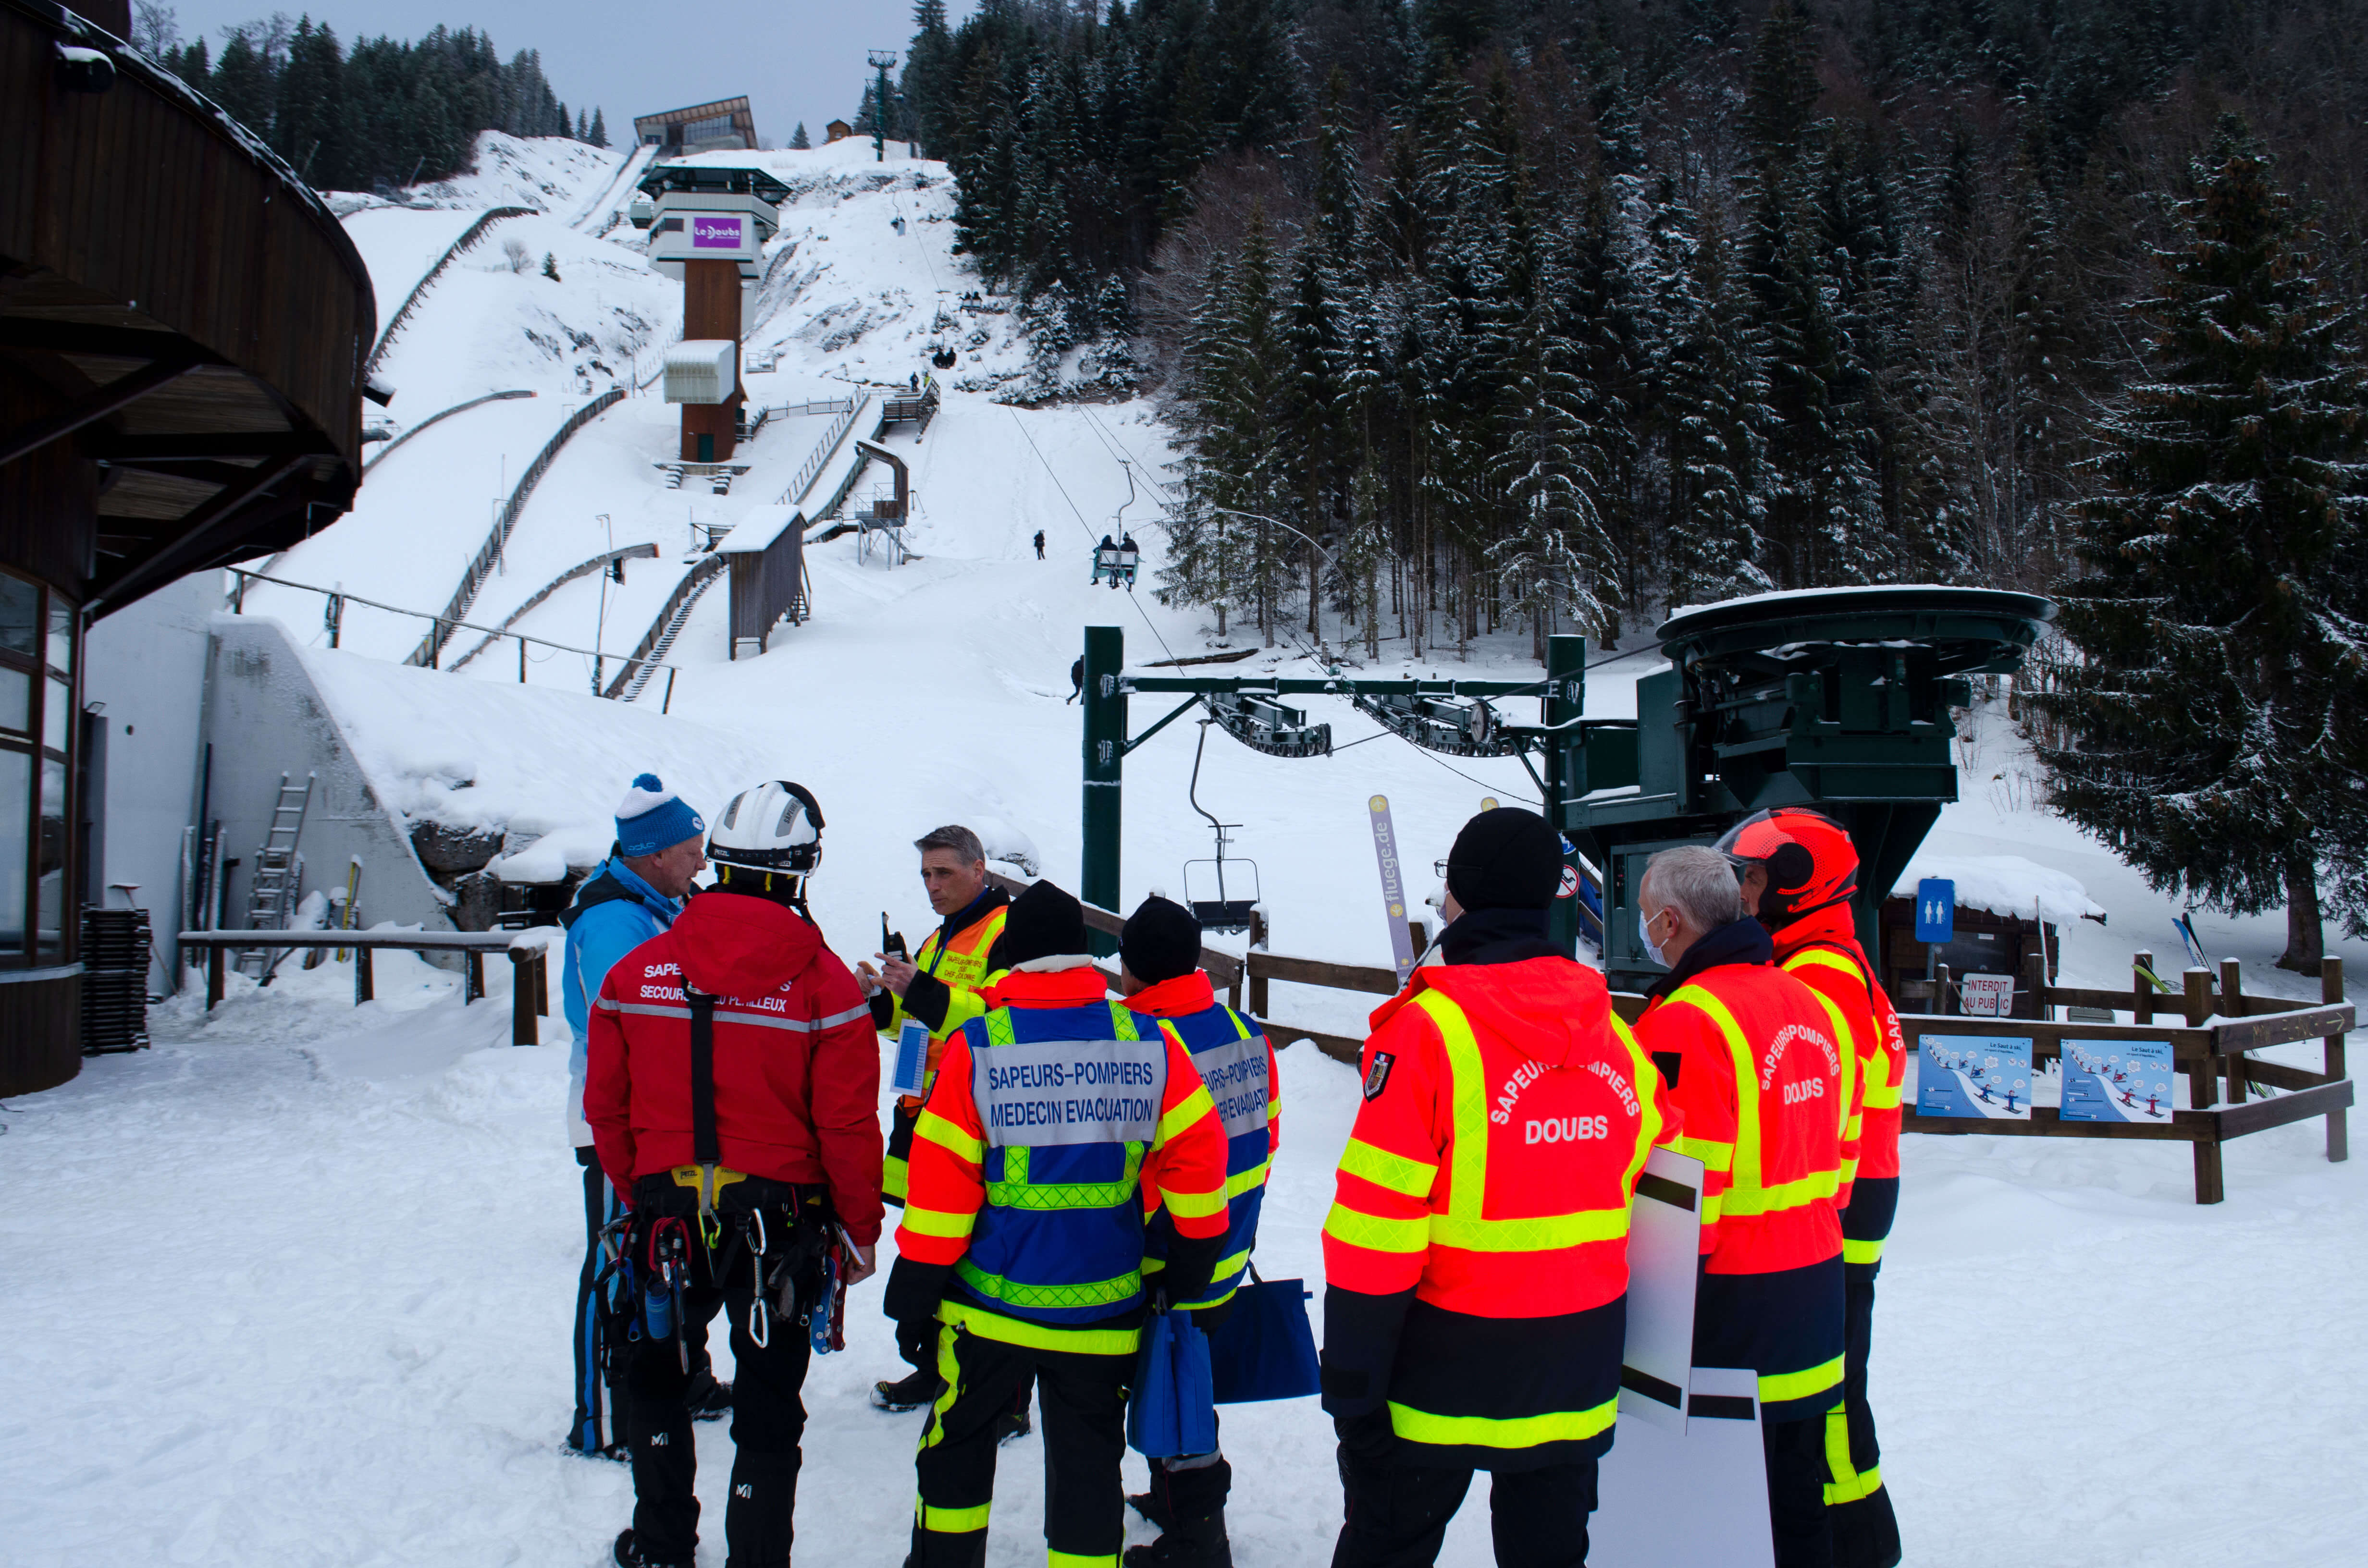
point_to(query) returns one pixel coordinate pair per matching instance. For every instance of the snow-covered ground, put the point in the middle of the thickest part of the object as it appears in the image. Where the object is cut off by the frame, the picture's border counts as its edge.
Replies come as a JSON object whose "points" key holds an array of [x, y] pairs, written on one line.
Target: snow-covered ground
{"points": [[293, 1287]]}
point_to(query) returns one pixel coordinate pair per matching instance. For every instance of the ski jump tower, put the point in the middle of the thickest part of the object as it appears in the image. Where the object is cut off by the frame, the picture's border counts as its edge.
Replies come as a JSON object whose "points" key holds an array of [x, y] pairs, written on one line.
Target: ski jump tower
{"points": [[709, 226]]}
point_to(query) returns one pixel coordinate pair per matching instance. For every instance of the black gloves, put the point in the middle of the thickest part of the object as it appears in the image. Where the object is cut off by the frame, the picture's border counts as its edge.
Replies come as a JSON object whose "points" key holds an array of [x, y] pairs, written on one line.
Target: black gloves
{"points": [[1192, 1262], [916, 1341]]}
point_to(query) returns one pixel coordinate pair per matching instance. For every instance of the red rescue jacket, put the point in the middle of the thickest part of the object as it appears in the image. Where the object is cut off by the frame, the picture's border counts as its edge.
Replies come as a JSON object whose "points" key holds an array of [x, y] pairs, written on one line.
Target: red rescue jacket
{"points": [[797, 1065], [1821, 950]]}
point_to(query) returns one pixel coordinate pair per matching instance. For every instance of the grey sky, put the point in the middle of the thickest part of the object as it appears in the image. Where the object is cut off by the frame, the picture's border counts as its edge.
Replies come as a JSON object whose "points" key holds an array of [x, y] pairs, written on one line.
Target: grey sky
{"points": [[797, 60]]}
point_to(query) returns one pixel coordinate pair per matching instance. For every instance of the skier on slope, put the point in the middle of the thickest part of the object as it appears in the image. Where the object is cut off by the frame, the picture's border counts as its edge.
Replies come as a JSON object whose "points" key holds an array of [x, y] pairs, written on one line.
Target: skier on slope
{"points": [[733, 1091], [1040, 544], [634, 895]]}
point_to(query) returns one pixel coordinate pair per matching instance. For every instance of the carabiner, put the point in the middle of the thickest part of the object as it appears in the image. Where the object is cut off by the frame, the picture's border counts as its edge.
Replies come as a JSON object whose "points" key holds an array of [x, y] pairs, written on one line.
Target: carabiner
{"points": [[759, 1321], [757, 1218]]}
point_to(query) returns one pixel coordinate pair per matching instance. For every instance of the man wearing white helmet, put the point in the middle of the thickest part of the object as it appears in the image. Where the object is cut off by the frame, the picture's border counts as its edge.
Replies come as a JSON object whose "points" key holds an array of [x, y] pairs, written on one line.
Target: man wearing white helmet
{"points": [[734, 1093]]}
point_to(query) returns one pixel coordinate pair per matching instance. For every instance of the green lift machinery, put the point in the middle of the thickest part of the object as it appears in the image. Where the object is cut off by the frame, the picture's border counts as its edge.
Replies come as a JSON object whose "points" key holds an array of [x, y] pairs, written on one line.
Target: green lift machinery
{"points": [[1836, 698]]}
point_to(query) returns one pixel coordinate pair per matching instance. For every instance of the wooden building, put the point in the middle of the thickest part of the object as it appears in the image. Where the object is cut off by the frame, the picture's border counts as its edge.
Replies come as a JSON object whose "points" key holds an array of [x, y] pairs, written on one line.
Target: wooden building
{"points": [[837, 130], [183, 326], [725, 124]]}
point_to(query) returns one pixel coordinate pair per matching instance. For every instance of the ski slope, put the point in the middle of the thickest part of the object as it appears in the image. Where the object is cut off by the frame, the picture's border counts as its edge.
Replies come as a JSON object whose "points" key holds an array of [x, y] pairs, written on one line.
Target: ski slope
{"points": [[299, 1278]]}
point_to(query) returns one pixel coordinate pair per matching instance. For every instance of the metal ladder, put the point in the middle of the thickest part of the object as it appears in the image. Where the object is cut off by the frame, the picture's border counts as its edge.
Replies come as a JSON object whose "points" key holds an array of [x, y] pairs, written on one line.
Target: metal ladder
{"points": [[270, 895]]}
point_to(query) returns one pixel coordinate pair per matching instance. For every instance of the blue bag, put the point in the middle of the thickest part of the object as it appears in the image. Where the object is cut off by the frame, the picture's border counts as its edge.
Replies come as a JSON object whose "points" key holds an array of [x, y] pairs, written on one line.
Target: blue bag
{"points": [[1171, 1413], [1265, 1350]]}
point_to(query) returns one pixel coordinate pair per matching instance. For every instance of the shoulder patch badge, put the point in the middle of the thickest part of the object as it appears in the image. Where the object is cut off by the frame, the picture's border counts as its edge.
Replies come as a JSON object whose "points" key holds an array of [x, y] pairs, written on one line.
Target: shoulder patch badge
{"points": [[1377, 1076]]}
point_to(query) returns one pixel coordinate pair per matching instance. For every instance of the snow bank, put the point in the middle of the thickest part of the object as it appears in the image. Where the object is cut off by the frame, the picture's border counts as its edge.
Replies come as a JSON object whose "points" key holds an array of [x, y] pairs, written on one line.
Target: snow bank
{"points": [[2003, 885], [543, 765]]}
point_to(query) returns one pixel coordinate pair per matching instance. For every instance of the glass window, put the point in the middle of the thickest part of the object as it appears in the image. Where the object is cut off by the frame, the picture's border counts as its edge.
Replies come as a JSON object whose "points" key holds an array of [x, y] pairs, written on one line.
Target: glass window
{"points": [[20, 604], [16, 699], [62, 635], [48, 931], [56, 709], [16, 819]]}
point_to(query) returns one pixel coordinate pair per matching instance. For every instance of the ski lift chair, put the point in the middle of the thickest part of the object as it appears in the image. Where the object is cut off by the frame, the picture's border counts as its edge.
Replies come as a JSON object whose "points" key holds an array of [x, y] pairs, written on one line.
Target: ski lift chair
{"points": [[1228, 911], [1109, 562], [1127, 557]]}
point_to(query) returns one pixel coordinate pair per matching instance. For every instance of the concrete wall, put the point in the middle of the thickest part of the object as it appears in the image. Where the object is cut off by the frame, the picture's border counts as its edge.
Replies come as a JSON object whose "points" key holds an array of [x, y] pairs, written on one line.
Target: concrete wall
{"points": [[147, 666], [265, 717]]}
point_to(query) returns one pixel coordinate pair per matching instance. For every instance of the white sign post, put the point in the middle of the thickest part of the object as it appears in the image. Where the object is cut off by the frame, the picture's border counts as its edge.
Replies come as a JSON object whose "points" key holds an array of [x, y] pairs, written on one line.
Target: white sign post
{"points": [[1393, 903]]}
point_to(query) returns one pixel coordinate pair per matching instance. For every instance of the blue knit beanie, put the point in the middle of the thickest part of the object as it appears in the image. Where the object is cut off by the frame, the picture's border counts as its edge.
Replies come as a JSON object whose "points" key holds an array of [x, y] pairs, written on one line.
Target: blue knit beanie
{"points": [[652, 817]]}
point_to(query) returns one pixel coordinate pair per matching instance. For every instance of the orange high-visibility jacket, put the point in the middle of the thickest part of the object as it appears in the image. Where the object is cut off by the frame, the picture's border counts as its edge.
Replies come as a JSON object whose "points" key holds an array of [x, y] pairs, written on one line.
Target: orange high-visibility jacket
{"points": [[1476, 1249], [1822, 952], [1765, 1086]]}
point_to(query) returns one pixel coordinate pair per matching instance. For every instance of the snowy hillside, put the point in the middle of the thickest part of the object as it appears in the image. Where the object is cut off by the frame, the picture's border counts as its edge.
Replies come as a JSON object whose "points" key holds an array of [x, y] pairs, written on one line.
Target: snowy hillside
{"points": [[308, 1267]]}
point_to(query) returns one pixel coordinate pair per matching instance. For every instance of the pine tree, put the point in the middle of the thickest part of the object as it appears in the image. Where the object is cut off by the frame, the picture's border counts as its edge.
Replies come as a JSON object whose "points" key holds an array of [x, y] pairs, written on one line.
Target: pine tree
{"points": [[307, 121], [2212, 701], [798, 139], [243, 85]]}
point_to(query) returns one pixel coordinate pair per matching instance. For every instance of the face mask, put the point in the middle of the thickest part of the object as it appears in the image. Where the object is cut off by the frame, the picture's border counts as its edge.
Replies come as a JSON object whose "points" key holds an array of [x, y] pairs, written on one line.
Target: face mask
{"points": [[1644, 936]]}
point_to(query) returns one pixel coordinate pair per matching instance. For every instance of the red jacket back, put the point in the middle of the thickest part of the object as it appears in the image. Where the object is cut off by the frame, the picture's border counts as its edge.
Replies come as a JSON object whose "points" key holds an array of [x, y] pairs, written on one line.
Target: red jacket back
{"points": [[797, 1065]]}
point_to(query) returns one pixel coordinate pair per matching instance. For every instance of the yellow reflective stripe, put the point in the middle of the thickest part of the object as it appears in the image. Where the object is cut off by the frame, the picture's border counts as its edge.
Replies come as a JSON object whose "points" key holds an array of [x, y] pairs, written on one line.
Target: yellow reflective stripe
{"points": [[1250, 1180], [1845, 1047], [1505, 1432], [1829, 959], [1396, 1172], [894, 1176], [954, 1521], [1784, 1195], [1468, 1177], [950, 1381], [1848, 1484], [937, 1222], [949, 1137], [1775, 1387], [1037, 1335], [1188, 1111], [1883, 1096], [1713, 1205], [1546, 1233], [1862, 1252], [1377, 1235], [1745, 1165], [1194, 1205], [1650, 1121], [1078, 1560], [1714, 1153]]}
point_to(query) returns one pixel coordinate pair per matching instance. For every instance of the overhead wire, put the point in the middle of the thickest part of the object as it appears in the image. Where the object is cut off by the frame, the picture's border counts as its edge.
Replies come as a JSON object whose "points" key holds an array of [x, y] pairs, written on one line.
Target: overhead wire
{"points": [[1086, 526]]}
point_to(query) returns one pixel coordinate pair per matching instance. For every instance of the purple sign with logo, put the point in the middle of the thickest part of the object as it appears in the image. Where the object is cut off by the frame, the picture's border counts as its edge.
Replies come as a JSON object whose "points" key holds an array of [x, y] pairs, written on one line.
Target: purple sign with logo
{"points": [[716, 234]]}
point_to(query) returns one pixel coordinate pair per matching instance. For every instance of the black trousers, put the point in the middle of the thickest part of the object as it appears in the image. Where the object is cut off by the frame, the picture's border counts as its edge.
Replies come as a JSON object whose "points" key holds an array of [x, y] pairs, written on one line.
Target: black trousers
{"points": [[768, 1417], [1797, 1518], [1397, 1512], [1193, 1487], [599, 1420], [1083, 1403], [1866, 1531]]}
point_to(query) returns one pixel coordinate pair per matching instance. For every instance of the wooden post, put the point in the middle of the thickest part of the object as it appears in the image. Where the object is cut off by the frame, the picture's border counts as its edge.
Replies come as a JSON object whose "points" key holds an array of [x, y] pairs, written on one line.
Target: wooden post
{"points": [[472, 988], [363, 990], [1940, 989], [2034, 976], [2200, 1089], [215, 976], [523, 989], [2330, 989], [542, 982], [2141, 989], [2231, 1005]]}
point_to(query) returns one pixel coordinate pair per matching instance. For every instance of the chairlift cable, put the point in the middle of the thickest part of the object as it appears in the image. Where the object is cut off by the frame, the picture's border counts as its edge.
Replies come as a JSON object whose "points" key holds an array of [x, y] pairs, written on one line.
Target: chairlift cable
{"points": [[1087, 527]]}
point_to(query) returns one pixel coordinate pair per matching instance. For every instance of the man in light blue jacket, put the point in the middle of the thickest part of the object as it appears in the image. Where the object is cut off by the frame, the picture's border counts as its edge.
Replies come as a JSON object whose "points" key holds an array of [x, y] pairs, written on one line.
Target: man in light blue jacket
{"points": [[634, 894]]}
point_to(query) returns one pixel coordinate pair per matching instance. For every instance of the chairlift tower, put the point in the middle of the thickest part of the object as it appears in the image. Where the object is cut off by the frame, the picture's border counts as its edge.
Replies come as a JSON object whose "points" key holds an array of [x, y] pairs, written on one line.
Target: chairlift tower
{"points": [[883, 62]]}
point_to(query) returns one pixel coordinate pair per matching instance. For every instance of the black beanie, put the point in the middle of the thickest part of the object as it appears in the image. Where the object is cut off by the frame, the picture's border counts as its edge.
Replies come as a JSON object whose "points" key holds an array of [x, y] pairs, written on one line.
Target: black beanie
{"points": [[1043, 922], [1508, 859], [1161, 941]]}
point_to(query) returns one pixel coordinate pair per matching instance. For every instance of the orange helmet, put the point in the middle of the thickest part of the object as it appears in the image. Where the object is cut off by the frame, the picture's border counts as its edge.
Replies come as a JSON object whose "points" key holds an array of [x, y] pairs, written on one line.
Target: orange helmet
{"points": [[1812, 864]]}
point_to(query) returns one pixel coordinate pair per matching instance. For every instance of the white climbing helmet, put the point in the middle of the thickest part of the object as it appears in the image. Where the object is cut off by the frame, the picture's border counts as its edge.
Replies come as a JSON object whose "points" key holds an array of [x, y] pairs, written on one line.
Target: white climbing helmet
{"points": [[777, 826]]}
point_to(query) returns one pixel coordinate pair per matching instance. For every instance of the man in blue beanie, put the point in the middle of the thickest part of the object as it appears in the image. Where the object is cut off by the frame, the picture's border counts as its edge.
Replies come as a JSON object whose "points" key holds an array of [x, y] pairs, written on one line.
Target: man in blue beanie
{"points": [[634, 895]]}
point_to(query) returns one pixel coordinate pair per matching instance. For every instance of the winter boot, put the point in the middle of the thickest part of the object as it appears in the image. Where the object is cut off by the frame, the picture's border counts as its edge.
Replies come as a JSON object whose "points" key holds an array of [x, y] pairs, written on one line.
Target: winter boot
{"points": [[908, 1393], [628, 1553], [1151, 1507], [1191, 1543], [709, 1398]]}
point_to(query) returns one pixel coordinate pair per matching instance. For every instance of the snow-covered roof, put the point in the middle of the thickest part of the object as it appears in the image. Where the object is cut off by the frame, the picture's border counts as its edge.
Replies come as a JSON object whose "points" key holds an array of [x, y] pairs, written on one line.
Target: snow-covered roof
{"points": [[2003, 885]]}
